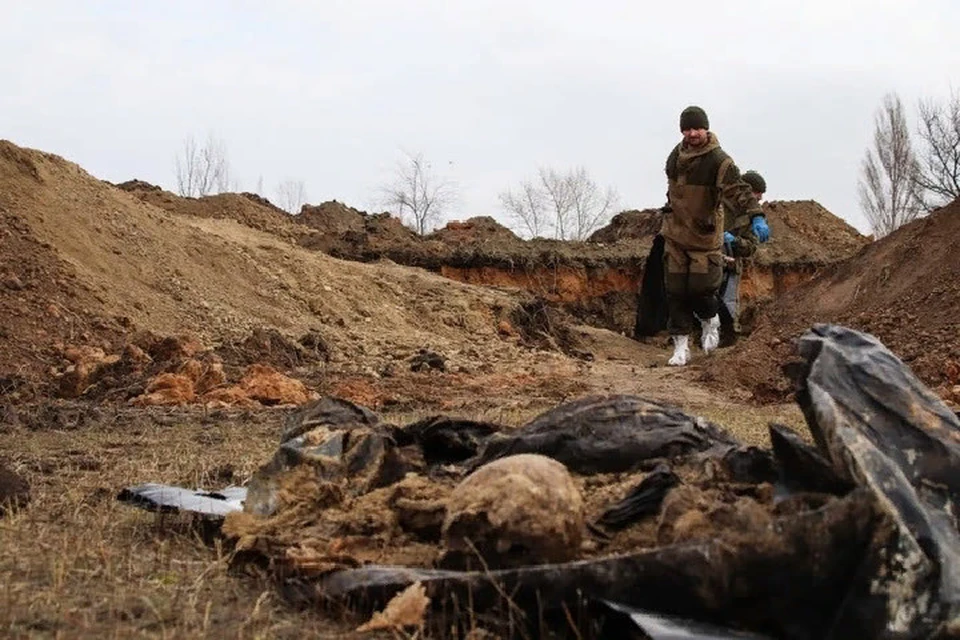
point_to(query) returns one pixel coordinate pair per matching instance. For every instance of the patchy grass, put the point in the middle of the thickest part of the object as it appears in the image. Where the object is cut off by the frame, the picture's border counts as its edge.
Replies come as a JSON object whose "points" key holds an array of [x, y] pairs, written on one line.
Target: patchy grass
{"points": [[77, 563]]}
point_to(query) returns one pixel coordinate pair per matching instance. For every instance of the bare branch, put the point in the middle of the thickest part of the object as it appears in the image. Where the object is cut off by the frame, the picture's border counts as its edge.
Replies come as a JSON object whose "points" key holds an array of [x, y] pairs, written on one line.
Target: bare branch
{"points": [[528, 207], [591, 207], [570, 205], [939, 132], [888, 187], [291, 196], [416, 195], [201, 171]]}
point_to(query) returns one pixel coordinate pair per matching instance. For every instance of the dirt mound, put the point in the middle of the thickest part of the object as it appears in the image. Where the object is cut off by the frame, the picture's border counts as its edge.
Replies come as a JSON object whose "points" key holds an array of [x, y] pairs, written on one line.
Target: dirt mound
{"points": [[246, 208], [629, 225], [802, 233], [478, 230], [332, 217], [904, 289], [86, 264], [42, 301]]}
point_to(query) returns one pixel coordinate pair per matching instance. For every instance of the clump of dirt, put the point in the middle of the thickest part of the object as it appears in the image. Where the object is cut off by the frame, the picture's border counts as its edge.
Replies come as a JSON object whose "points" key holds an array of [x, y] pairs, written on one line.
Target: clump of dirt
{"points": [[14, 490], [903, 288], [631, 226], [177, 370], [266, 345], [332, 217]]}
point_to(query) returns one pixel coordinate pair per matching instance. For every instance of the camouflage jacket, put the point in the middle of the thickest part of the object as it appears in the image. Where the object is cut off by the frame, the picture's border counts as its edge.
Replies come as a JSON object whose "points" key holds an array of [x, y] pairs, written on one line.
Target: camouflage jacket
{"points": [[705, 197]]}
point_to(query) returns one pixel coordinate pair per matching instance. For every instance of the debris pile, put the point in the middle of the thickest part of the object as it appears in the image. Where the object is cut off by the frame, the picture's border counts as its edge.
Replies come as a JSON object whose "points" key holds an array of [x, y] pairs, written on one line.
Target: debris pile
{"points": [[903, 288], [656, 519]]}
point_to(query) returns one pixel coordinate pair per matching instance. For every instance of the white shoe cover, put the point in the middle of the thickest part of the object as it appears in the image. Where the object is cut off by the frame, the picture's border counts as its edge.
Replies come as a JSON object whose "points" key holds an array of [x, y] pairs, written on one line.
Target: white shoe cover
{"points": [[711, 334], [681, 351]]}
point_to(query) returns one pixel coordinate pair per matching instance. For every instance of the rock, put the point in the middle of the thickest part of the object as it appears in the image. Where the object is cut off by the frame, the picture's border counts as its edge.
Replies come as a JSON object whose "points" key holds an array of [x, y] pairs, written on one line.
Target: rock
{"points": [[268, 386], [14, 283], [14, 491], [167, 389], [518, 510]]}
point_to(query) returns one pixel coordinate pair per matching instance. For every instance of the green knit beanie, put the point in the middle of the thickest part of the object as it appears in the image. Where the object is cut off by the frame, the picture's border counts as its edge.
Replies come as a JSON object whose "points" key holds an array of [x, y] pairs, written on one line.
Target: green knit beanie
{"points": [[756, 181], [694, 118]]}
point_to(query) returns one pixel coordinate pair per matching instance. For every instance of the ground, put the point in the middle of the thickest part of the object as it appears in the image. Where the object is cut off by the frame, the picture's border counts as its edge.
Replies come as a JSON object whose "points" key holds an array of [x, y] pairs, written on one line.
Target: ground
{"points": [[151, 338], [83, 565]]}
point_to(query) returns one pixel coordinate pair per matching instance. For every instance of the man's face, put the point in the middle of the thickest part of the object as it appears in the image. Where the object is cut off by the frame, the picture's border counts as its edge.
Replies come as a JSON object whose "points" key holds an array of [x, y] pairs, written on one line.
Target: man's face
{"points": [[758, 196], [694, 137]]}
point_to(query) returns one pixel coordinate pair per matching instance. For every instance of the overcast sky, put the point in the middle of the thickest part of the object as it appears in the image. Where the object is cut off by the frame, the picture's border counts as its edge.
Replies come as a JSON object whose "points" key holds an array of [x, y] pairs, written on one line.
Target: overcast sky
{"points": [[330, 91]]}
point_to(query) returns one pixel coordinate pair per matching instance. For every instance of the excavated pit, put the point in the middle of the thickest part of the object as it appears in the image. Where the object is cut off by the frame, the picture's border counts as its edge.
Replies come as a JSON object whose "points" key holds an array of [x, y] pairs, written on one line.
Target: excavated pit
{"points": [[595, 280]]}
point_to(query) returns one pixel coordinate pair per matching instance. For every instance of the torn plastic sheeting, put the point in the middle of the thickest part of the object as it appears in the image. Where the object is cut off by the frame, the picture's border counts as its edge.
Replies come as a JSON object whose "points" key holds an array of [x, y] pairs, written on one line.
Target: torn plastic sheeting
{"points": [[165, 498], [327, 411], [642, 500], [656, 626], [884, 430], [801, 466], [733, 580], [607, 434], [446, 440]]}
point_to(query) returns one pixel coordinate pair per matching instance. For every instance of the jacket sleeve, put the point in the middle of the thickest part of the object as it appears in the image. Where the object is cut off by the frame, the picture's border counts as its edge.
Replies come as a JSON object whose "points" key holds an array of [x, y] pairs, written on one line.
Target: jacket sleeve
{"points": [[740, 208]]}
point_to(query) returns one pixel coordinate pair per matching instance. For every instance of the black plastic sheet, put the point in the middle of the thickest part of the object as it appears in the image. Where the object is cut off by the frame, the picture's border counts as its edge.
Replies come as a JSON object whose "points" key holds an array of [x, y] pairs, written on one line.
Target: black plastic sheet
{"points": [[608, 434]]}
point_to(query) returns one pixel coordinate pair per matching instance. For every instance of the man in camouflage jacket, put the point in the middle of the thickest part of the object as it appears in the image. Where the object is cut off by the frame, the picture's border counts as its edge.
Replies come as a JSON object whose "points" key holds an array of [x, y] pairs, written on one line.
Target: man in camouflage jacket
{"points": [[702, 181]]}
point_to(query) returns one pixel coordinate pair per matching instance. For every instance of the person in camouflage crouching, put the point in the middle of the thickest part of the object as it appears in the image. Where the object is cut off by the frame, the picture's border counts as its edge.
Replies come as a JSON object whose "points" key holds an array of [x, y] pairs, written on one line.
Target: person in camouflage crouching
{"points": [[702, 180], [733, 270]]}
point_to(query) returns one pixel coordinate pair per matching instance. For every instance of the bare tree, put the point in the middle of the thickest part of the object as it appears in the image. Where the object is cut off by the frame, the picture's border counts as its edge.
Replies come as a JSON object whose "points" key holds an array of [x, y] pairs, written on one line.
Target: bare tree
{"points": [[888, 187], [291, 196], [939, 132], [202, 170], [568, 205], [528, 208], [591, 206], [417, 196]]}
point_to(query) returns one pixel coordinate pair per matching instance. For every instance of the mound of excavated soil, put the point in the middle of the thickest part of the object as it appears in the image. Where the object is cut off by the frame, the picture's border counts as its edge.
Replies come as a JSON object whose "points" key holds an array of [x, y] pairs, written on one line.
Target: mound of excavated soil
{"points": [[479, 230], [630, 225], [85, 265], [802, 233], [246, 208], [332, 217], [904, 289]]}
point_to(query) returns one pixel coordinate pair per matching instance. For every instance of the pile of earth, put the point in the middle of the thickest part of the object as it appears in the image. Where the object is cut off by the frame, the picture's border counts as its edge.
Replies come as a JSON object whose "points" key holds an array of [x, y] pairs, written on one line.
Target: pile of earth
{"points": [[87, 265], [596, 280], [246, 208], [802, 233], [630, 226], [593, 281], [903, 288]]}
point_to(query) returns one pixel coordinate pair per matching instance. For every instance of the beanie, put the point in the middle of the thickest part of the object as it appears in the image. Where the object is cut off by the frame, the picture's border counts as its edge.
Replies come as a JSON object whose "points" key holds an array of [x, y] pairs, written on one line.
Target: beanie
{"points": [[756, 181], [694, 118]]}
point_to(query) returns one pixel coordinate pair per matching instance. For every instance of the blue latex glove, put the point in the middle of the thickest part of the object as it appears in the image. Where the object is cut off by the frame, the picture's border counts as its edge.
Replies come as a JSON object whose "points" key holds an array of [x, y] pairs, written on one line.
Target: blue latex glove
{"points": [[728, 237], [760, 228]]}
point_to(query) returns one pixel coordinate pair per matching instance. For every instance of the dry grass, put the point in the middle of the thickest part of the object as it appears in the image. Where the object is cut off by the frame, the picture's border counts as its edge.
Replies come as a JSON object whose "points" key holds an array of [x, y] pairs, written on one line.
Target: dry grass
{"points": [[76, 563]]}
